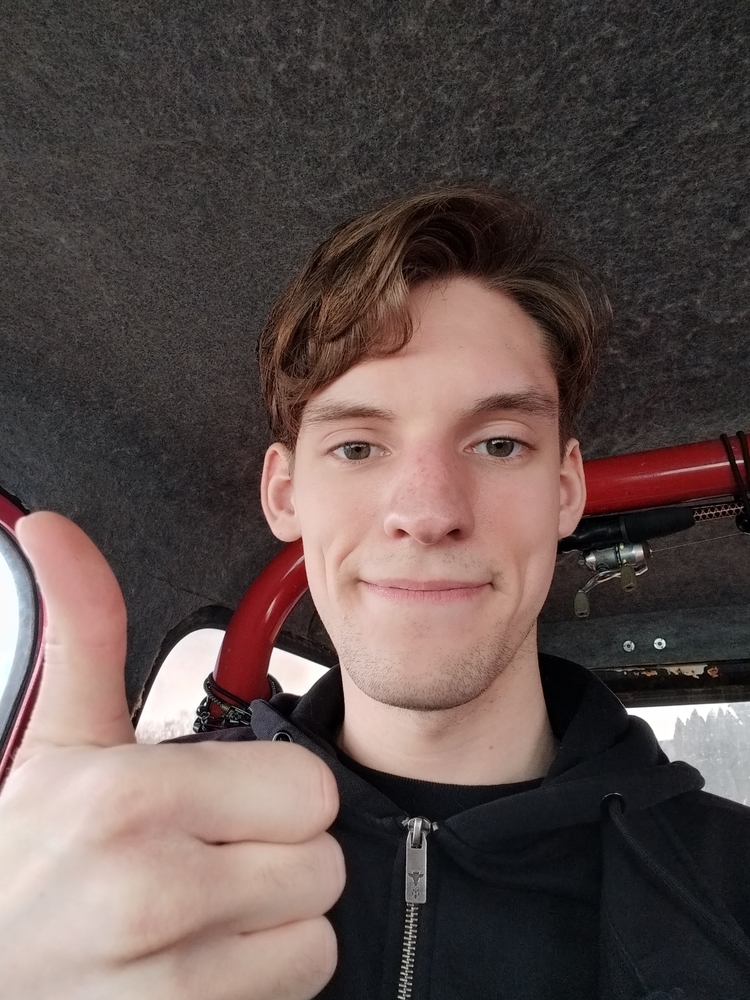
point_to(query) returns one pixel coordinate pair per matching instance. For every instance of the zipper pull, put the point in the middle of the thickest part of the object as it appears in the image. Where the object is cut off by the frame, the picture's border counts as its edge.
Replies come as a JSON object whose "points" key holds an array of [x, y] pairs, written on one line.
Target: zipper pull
{"points": [[416, 858]]}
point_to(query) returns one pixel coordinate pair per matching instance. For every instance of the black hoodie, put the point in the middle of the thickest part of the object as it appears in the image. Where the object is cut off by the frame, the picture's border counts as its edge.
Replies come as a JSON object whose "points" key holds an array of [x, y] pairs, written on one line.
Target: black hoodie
{"points": [[615, 878]]}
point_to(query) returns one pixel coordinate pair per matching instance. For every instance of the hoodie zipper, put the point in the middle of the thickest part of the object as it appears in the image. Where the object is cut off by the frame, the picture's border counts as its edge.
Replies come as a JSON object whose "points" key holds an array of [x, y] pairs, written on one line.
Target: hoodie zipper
{"points": [[416, 895]]}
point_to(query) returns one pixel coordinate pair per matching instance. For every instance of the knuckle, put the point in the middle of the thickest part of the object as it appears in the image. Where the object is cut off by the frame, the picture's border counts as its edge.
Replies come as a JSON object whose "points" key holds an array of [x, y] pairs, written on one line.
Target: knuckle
{"points": [[318, 791], [129, 929], [31, 780], [274, 876], [329, 793], [309, 781], [92, 796], [313, 959], [130, 922], [111, 796], [327, 868], [44, 777], [331, 868], [281, 770], [284, 871], [143, 902], [179, 976], [313, 870]]}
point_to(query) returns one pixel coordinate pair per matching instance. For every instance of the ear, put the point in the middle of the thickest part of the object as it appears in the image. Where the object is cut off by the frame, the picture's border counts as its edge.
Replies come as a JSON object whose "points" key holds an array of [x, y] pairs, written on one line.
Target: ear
{"points": [[572, 489], [277, 493]]}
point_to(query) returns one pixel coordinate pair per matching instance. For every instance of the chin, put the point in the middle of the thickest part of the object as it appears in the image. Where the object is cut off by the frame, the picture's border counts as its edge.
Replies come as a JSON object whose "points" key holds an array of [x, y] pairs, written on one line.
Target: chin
{"points": [[435, 699], [446, 682]]}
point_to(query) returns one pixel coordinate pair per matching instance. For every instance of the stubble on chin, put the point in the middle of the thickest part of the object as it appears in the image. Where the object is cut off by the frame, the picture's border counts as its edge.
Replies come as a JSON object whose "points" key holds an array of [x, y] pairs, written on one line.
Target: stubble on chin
{"points": [[447, 681]]}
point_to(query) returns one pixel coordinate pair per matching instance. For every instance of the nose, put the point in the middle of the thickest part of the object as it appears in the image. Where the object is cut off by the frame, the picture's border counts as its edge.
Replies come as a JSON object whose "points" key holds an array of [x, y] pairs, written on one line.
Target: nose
{"points": [[429, 498]]}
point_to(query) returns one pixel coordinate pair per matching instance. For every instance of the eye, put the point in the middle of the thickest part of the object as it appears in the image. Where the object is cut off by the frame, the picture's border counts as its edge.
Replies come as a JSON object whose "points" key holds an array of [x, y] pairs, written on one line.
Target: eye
{"points": [[353, 451], [500, 447]]}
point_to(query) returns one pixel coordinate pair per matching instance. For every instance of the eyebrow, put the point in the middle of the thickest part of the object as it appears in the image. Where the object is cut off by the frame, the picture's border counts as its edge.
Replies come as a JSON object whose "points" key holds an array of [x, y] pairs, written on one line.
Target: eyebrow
{"points": [[528, 401]]}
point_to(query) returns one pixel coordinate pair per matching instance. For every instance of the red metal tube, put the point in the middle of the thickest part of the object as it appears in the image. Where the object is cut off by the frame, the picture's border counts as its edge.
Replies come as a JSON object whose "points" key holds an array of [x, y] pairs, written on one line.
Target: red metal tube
{"points": [[242, 666], [658, 478]]}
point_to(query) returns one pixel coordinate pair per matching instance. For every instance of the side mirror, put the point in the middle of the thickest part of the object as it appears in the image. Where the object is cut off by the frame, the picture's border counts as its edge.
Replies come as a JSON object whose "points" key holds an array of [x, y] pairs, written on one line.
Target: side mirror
{"points": [[20, 635]]}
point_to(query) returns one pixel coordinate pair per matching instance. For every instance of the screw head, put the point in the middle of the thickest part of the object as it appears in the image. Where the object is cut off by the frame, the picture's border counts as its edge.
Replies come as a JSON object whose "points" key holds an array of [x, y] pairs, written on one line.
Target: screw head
{"points": [[660, 643], [628, 645]]}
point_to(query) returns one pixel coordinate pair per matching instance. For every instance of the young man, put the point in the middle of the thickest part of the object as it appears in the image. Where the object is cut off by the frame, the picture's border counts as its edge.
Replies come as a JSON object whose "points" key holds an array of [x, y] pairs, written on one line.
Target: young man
{"points": [[422, 376]]}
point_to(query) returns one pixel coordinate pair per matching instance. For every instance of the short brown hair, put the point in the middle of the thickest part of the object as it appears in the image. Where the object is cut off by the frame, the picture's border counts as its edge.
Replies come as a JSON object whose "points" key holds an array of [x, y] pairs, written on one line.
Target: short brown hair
{"points": [[349, 301]]}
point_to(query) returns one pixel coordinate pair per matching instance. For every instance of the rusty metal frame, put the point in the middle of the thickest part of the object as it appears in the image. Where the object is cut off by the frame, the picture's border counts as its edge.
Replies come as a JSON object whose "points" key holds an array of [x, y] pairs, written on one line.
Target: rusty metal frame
{"points": [[679, 683]]}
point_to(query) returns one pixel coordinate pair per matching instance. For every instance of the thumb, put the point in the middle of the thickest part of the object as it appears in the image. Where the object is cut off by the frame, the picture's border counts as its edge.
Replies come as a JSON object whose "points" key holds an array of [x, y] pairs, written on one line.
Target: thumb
{"points": [[81, 700]]}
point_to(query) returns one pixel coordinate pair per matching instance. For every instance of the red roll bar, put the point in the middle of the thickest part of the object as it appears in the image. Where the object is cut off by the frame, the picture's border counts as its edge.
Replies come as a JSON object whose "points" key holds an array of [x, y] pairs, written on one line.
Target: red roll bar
{"points": [[659, 478], [242, 666]]}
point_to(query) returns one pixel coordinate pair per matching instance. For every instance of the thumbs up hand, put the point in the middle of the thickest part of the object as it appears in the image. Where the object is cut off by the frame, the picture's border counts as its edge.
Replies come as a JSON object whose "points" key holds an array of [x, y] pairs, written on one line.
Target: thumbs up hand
{"points": [[151, 872]]}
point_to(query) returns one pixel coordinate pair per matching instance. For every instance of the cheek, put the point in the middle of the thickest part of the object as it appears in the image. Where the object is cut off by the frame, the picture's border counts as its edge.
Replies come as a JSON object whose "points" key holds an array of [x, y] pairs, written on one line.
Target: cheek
{"points": [[524, 523], [335, 511], [333, 525]]}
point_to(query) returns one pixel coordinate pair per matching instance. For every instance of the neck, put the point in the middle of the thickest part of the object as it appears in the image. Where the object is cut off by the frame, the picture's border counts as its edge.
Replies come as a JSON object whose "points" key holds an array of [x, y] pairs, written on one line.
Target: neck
{"points": [[503, 736]]}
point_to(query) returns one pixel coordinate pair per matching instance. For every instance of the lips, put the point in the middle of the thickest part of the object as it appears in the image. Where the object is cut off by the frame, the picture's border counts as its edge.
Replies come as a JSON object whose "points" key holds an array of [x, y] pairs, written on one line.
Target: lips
{"points": [[426, 591], [404, 584]]}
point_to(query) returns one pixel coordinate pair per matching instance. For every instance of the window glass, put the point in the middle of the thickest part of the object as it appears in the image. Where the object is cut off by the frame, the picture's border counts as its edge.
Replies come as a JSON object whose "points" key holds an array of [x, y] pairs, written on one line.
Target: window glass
{"points": [[9, 620], [19, 623], [714, 738], [177, 691], [294, 673]]}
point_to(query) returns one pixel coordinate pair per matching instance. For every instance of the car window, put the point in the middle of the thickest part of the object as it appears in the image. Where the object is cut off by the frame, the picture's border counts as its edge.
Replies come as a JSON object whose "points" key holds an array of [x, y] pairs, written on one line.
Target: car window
{"points": [[714, 738], [174, 696]]}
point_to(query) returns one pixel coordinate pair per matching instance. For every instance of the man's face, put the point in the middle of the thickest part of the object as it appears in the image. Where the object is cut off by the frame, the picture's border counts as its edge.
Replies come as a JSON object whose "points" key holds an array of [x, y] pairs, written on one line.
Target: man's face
{"points": [[429, 493]]}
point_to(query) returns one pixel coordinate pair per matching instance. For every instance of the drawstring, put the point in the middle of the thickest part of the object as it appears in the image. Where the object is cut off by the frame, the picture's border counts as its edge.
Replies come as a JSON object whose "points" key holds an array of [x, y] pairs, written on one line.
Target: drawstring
{"points": [[614, 804]]}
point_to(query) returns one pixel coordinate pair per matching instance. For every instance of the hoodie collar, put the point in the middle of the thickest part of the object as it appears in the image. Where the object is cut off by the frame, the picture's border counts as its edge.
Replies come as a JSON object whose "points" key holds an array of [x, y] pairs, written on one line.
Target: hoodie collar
{"points": [[603, 751]]}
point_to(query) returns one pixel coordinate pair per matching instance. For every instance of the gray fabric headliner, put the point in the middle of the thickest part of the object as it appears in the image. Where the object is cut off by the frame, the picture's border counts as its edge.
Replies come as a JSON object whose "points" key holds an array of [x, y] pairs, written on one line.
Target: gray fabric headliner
{"points": [[167, 168]]}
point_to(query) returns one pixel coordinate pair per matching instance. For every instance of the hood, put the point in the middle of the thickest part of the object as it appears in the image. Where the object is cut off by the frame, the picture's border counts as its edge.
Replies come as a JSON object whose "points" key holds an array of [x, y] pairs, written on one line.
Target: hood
{"points": [[604, 755]]}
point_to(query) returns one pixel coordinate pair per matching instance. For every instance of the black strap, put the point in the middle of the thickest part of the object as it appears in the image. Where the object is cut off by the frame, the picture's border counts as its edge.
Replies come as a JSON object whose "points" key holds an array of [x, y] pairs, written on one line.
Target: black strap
{"points": [[234, 711], [743, 490]]}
